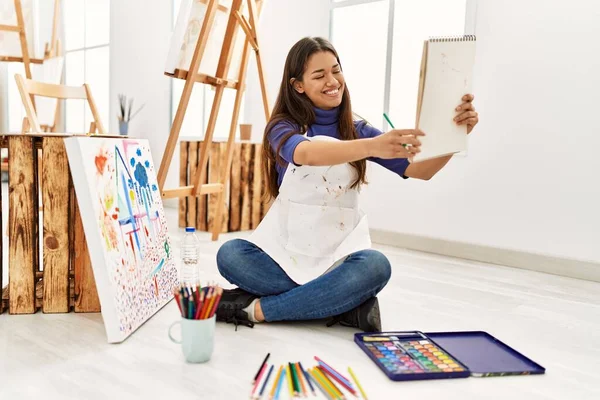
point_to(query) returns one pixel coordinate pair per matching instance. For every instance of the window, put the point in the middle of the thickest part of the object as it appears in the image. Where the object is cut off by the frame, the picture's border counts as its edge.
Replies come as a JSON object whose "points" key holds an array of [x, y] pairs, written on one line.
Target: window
{"points": [[86, 27], [201, 100], [380, 43]]}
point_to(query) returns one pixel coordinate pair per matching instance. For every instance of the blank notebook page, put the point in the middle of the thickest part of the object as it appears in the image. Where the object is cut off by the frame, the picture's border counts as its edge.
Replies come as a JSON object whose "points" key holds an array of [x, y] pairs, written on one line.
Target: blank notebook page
{"points": [[449, 67]]}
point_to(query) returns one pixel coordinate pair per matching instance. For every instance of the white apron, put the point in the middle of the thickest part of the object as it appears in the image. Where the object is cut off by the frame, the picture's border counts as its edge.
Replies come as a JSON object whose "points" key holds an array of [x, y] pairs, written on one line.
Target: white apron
{"points": [[314, 222]]}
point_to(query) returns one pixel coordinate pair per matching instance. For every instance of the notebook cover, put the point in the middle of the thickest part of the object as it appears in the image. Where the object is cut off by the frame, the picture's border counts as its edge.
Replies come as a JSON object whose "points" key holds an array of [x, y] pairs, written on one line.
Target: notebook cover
{"points": [[485, 355], [445, 77]]}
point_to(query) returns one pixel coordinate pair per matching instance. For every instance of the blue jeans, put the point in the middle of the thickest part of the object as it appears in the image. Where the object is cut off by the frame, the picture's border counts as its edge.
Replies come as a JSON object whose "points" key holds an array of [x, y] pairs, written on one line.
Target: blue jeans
{"points": [[361, 276]]}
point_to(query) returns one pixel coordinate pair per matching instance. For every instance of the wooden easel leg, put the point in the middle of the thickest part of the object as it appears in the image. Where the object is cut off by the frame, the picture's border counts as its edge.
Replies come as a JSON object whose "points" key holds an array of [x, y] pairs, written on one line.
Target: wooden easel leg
{"points": [[226, 167], [187, 92], [263, 87], [254, 11], [199, 175]]}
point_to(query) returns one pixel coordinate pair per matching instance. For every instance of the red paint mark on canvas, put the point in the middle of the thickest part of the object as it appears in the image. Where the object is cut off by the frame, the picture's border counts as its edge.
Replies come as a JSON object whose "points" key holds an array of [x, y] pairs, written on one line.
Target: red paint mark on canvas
{"points": [[100, 161]]}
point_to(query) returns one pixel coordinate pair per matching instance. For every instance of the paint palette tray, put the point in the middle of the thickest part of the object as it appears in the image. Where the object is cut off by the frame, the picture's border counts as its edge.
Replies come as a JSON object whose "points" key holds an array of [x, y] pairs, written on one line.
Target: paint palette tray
{"points": [[415, 355]]}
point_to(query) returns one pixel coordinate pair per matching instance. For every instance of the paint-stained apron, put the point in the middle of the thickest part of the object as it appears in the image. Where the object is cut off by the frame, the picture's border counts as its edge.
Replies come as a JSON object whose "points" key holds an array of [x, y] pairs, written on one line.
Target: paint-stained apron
{"points": [[314, 222]]}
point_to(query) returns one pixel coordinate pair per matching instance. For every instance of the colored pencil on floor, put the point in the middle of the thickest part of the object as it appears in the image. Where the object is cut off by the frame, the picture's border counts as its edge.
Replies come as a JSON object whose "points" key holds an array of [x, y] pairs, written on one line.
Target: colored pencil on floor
{"points": [[329, 383], [322, 384], [262, 364], [333, 371], [294, 380], [264, 385], [338, 380], [281, 383], [262, 371], [311, 380], [306, 376], [362, 392], [289, 379], [276, 382], [300, 379]]}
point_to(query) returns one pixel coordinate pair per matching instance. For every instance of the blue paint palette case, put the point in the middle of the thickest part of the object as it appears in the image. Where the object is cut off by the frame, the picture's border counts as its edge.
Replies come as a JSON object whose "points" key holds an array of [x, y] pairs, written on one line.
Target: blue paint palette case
{"points": [[416, 355]]}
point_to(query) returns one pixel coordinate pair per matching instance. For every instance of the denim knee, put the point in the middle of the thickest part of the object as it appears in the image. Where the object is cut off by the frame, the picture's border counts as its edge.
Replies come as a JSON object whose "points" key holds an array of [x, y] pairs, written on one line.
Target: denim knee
{"points": [[379, 269], [228, 255]]}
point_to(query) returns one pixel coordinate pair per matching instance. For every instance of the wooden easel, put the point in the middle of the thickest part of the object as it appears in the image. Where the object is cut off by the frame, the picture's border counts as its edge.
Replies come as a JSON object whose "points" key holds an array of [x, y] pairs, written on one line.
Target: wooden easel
{"points": [[51, 49], [220, 82]]}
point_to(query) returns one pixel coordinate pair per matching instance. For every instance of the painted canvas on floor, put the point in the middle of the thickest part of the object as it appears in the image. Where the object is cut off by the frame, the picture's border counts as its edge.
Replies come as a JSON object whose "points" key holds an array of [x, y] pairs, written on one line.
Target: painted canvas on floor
{"points": [[125, 229]]}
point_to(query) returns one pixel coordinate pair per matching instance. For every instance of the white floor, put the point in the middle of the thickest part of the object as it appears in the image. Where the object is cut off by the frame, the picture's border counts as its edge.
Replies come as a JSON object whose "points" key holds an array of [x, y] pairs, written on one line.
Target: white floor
{"points": [[553, 320]]}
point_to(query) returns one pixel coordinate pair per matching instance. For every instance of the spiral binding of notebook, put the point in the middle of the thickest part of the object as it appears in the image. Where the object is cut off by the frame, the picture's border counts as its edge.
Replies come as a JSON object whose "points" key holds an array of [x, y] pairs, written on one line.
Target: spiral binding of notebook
{"points": [[463, 38]]}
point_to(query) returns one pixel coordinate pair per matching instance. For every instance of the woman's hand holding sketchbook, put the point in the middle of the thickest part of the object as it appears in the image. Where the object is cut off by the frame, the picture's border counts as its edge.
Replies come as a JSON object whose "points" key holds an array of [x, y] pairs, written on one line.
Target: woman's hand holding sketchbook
{"points": [[466, 113]]}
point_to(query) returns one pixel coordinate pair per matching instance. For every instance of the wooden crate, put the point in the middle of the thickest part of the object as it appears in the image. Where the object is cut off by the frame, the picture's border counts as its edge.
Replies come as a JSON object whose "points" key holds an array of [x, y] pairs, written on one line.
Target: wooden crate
{"points": [[244, 208], [64, 280]]}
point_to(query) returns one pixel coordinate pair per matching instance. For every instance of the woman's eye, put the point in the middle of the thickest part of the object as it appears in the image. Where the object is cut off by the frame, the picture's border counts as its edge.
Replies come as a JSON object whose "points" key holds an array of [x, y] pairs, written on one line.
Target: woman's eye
{"points": [[320, 77], [336, 72]]}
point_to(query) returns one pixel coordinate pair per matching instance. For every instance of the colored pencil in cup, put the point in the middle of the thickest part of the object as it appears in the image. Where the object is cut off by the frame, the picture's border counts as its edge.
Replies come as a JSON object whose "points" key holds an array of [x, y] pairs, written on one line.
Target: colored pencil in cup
{"points": [[200, 305], [216, 302], [209, 300], [362, 392], [178, 300]]}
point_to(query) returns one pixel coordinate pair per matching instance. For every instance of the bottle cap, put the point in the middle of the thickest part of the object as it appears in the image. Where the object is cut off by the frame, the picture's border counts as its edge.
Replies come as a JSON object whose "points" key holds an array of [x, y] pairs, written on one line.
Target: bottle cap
{"points": [[190, 229]]}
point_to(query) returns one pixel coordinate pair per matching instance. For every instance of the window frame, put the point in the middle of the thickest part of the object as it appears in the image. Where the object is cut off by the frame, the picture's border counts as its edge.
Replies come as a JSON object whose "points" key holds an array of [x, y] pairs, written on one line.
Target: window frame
{"points": [[469, 29]]}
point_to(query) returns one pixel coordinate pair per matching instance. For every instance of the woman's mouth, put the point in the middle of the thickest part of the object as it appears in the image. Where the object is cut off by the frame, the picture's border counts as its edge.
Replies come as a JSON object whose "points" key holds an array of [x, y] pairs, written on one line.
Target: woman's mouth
{"points": [[332, 92]]}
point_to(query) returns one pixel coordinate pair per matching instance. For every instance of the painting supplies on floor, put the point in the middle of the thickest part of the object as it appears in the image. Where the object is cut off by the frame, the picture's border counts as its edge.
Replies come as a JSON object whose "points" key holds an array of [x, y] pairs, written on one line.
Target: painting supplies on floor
{"points": [[292, 380], [198, 302], [415, 355]]}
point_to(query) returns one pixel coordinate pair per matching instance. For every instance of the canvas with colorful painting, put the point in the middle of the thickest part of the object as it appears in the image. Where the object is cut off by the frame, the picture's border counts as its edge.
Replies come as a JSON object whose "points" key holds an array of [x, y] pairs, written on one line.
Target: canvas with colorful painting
{"points": [[125, 228]]}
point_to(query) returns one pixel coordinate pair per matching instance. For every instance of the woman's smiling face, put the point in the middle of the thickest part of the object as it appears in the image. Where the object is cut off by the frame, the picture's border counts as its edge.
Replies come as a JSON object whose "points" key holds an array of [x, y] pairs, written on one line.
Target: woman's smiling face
{"points": [[322, 81]]}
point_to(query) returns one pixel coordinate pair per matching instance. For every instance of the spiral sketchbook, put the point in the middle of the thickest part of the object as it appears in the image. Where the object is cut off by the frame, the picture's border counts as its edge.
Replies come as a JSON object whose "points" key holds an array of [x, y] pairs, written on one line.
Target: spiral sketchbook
{"points": [[446, 76]]}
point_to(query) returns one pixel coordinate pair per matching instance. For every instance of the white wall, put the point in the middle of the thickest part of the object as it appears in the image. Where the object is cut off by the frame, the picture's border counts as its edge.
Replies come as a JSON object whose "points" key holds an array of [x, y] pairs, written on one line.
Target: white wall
{"points": [[282, 24], [530, 180], [140, 33]]}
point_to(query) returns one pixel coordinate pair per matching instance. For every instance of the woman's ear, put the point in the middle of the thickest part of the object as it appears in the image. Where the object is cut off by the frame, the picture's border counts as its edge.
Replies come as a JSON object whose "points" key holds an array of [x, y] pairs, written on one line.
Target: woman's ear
{"points": [[297, 85]]}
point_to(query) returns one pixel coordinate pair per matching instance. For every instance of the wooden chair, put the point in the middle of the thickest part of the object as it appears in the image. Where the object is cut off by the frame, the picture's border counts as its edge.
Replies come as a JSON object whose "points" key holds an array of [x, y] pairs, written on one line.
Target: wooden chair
{"points": [[28, 88]]}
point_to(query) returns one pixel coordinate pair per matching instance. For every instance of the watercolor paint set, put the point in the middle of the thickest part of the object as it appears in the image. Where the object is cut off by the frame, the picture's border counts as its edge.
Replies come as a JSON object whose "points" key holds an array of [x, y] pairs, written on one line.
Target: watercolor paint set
{"points": [[414, 355]]}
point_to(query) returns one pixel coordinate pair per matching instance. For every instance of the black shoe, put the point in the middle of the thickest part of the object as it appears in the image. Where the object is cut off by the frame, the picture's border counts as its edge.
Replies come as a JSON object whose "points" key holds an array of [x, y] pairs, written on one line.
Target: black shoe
{"points": [[231, 307], [364, 317]]}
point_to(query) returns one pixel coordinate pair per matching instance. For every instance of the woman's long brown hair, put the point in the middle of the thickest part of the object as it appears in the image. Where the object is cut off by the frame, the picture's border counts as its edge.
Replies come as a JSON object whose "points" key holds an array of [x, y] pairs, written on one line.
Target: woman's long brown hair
{"points": [[298, 109]]}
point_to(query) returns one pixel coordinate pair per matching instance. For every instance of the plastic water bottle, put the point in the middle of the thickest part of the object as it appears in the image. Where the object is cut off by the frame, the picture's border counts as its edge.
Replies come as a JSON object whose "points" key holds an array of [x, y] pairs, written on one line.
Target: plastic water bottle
{"points": [[190, 255]]}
